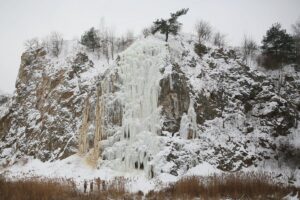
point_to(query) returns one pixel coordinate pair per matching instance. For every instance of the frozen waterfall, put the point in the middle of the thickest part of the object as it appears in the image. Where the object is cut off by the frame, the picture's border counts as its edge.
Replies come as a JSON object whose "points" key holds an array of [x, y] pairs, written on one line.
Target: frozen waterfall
{"points": [[132, 143], [140, 75]]}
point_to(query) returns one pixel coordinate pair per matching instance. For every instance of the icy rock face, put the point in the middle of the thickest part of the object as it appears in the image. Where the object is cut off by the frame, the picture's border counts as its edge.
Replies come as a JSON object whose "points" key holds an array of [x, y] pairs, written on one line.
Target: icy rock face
{"points": [[158, 108], [101, 119]]}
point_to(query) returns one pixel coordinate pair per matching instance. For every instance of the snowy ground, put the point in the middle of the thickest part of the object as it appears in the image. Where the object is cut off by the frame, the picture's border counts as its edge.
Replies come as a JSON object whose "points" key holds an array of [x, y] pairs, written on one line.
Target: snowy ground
{"points": [[75, 167]]}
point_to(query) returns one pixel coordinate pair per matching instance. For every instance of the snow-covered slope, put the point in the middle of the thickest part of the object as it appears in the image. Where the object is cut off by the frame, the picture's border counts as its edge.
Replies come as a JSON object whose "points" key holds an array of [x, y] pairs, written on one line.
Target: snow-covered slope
{"points": [[158, 110]]}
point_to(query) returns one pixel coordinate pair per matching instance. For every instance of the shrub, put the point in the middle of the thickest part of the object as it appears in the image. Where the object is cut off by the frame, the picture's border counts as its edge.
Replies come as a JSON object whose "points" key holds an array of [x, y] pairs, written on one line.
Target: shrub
{"points": [[200, 49], [233, 186]]}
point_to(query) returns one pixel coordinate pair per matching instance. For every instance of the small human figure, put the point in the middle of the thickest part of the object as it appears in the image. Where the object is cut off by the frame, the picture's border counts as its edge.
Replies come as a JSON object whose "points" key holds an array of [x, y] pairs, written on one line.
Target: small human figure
{"points": [[103, 186], [91, 186], [98, 182], [85, 186]]}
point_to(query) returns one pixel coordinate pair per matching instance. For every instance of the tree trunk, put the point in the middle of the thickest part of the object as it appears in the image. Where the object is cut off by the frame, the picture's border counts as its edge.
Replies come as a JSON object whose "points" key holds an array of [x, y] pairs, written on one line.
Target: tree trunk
{"points": [[167, 36], [112, 49]]}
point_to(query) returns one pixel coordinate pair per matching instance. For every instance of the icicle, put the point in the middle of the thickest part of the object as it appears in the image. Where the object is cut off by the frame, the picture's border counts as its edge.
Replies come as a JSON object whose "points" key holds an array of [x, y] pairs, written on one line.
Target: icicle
{"points": [[171, 82], [83, 143], [99, 128], [125, 135], [188, 123]]}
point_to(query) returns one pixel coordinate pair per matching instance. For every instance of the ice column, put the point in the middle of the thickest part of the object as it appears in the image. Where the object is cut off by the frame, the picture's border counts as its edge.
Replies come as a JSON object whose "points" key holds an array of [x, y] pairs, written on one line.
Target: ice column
{"points": [[99, 128], [140, 76], [83, 143], [188, 123]]}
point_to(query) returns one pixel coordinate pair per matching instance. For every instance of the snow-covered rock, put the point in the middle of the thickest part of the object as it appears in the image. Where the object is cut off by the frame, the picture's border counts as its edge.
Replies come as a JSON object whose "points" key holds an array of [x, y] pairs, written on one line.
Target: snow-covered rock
{"points": [[158, 109]]}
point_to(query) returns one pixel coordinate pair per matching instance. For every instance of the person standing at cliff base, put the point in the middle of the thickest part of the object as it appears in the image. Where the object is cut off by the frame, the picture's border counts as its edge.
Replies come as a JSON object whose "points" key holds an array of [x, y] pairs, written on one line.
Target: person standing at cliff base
{"points": [[85, 186]]}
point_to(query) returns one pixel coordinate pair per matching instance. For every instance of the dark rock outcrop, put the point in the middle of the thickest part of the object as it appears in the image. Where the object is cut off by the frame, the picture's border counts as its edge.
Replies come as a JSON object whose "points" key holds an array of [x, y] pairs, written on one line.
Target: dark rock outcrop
{"points": [[174, 98]]}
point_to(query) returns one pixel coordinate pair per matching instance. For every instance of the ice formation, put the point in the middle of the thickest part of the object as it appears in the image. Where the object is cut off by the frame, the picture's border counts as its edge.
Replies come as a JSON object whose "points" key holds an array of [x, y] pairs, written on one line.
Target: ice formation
{"points": [[83, 142], [139, 76], [188, 123], [141, 120]]}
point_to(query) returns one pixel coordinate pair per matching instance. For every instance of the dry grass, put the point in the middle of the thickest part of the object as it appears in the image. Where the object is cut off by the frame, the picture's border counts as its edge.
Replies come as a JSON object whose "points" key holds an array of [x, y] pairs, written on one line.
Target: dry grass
{"points": [[234, 186], [58, 189], [34, 189]]}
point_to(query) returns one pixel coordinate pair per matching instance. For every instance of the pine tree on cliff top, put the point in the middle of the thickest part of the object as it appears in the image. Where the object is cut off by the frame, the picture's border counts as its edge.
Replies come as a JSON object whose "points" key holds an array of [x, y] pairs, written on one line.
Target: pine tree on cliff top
{"points": [[169, 26]]}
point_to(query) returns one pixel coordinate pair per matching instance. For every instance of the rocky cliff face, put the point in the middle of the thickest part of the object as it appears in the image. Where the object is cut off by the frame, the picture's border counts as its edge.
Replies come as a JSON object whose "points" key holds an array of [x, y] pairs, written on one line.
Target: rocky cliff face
{"points": [[159, 108], [4, 110], [47, 106]]}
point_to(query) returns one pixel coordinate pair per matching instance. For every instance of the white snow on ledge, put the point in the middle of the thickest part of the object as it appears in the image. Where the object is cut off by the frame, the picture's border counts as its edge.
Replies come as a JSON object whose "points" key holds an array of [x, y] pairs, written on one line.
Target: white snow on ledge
{"points": [[76, 168], [203, 169]]}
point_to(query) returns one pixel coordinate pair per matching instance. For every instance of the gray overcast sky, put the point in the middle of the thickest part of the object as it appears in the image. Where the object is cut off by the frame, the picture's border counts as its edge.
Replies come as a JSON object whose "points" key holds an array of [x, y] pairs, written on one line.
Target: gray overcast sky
{"points": [[24, 19]]}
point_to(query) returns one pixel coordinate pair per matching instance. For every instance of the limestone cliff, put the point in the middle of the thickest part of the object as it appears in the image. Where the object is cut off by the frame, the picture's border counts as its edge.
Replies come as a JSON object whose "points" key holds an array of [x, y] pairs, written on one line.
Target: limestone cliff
{"points": [[158, 108]]}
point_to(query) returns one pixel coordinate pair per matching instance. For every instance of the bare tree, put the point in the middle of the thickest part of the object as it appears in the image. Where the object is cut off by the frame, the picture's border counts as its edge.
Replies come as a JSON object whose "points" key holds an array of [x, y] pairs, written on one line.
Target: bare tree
{"points": [[121, 43], [296, 28], [111, 39], [107, 40], [32, 44], [125, 41], [203, 30], [105, 44], [56, 41], [249, 47], [53, 43], [146, 32], [219, 39], [129, 38]]}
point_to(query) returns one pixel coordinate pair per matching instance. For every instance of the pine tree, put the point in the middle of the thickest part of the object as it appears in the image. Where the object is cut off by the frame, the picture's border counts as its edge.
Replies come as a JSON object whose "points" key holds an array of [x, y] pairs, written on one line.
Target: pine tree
{"points": [[278, 46], [90, 39], [169, 26]]}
